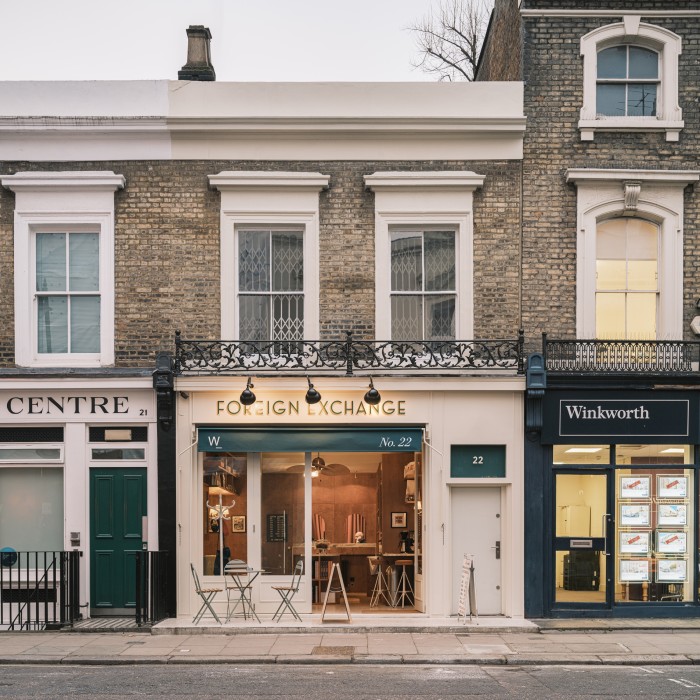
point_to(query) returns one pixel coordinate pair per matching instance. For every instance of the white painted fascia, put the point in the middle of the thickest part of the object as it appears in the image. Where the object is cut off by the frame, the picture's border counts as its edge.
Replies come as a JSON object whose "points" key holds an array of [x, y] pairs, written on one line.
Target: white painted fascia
{"points": [[168, 120]]}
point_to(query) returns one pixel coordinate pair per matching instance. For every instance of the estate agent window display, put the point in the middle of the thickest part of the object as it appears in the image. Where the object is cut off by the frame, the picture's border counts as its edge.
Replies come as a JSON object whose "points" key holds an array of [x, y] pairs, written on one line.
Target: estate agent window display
{"points": [[654, 533]]}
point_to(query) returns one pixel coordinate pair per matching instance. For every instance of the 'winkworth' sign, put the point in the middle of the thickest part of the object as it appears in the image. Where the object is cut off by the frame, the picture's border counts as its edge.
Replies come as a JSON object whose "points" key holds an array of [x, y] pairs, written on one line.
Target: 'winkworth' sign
{"points": [[626, 418]]}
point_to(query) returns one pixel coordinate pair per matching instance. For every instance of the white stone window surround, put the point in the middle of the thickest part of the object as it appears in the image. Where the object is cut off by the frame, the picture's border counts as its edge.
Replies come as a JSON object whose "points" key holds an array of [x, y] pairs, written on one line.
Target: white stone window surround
{"points": [[425, 199], [61, 202], [631, 31], [260, 199], [654, 195]]}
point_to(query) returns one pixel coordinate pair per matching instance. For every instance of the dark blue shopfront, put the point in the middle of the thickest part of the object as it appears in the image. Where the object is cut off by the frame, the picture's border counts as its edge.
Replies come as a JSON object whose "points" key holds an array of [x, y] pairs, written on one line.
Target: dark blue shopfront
{"points": [[611, 503]]}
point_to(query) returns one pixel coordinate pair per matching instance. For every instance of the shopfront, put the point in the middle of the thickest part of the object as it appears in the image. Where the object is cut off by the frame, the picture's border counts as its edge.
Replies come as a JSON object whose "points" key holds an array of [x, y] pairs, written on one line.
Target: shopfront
{"points": [[77, 472], [619, 501], [362, 486]]}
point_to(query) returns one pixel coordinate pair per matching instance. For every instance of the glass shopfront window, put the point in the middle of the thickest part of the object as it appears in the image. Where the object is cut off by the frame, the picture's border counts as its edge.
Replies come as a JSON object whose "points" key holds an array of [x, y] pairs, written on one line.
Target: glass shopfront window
{"points": [[282, 518], [655, 527], [31, 509], [225, 499], [624, 524]]}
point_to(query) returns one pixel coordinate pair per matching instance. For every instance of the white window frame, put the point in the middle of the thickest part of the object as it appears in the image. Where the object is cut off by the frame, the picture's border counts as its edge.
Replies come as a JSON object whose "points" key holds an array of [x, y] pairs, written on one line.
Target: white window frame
{"points": [[655, 195], [631, 31], [62, 202], [425, 200], [269, 293], [259, 199], [32, 446]]}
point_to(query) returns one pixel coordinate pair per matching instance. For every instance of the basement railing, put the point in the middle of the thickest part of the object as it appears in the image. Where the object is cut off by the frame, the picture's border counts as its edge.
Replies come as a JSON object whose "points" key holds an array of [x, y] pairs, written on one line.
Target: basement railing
{"points": [[347, 356]]}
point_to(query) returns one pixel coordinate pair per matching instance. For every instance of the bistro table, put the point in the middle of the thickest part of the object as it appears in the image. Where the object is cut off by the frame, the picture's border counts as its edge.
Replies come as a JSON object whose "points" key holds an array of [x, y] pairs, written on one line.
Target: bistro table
{"points": [[239, 592]]}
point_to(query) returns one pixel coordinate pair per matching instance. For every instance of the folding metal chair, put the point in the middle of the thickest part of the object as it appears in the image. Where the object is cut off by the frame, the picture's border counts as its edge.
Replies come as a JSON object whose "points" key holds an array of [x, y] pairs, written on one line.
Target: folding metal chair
{"points": [[287, 593], [207, 595]]}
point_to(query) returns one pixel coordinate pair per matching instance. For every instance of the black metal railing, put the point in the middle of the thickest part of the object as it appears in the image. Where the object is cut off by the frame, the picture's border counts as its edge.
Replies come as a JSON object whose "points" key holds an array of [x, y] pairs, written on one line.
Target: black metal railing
{"points": [[348, 355], [39, 590], [151, 584], [621, 357]]}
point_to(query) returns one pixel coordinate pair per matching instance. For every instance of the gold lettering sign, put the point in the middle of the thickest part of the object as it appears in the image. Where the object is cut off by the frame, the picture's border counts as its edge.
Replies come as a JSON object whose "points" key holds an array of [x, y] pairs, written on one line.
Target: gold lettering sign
{"points": [[335, 407]]}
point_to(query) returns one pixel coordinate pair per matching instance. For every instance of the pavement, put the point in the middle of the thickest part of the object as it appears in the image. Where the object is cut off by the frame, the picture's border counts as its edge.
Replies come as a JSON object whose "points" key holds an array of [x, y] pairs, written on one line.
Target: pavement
{"points": [[481, 642]]}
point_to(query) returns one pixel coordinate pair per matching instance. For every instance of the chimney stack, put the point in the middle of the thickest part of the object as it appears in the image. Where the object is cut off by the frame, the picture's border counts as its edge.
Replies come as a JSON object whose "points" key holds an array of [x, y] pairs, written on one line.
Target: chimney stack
{"points": [[198, 66]]}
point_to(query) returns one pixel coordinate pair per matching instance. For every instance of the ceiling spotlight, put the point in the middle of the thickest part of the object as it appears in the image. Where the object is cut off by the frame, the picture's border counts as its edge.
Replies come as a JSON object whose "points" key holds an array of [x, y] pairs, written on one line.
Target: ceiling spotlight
{"points": [[312, 396], [247, 396], [372, 397]]}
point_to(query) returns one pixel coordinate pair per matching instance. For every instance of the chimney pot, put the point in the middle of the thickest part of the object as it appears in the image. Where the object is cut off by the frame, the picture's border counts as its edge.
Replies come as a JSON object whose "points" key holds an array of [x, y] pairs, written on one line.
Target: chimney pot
{"points": [[198, 66]]}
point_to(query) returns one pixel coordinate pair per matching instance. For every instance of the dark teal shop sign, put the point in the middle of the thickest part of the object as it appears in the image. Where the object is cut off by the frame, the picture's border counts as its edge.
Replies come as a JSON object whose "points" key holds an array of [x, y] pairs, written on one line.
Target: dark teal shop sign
{"points": [[477, 461], [650, 417], [375, 439]]}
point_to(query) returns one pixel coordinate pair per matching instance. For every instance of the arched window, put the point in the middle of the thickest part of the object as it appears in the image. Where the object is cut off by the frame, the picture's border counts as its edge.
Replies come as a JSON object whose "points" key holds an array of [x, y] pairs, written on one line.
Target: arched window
{"points": [[627, 82], [627, 279], [630, 79]]}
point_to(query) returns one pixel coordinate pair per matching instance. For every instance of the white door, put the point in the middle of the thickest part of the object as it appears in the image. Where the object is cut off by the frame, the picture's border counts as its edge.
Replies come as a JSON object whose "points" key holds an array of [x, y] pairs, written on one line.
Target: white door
{"points": [[476, 530]]}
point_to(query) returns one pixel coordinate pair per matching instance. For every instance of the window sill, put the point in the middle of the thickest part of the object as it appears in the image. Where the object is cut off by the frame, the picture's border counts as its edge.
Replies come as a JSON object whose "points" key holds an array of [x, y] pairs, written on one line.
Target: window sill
{"points": [[588, 127]]}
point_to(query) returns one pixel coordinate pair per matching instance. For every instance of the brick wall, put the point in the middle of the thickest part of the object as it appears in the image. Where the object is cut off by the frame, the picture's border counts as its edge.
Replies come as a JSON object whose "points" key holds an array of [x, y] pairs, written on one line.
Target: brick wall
{"points": [[167, 250], [501, 54], [553, 97]]}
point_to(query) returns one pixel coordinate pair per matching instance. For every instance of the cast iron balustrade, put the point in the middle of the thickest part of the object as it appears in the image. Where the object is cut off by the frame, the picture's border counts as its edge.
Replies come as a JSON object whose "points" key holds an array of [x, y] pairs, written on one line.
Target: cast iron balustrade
{"points": [[39, 590], [621, 357], [151, 584], [349, 355]]}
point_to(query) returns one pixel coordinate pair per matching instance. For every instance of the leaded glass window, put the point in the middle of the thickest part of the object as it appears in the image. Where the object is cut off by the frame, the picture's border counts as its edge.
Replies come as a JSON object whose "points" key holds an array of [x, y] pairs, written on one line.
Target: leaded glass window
{"points": [[627, 82], [270, 284], [68, 292], [423, 285], [627, 280]]}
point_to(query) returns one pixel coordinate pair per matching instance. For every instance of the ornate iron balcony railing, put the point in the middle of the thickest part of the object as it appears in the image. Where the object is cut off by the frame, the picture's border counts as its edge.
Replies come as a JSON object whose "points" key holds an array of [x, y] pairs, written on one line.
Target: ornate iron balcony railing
{"points": [[348, 356], [621, 357]]}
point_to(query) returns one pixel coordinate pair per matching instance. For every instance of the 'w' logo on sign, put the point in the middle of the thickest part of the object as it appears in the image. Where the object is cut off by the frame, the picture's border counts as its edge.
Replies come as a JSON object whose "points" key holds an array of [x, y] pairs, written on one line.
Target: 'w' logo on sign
{"points": [[214, 440]]}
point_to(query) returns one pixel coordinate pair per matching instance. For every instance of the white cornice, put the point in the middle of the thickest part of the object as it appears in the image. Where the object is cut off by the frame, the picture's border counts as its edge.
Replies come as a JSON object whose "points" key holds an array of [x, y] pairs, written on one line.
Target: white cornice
{"points": [[351, 125], [428, 179], [670, 177], [610, 13], [266, 179], [104, 180]]}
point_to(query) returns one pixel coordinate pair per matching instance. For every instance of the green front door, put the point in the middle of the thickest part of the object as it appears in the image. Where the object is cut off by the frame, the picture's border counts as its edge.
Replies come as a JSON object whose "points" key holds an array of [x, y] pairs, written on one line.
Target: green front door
{"points": [[117, 506]]}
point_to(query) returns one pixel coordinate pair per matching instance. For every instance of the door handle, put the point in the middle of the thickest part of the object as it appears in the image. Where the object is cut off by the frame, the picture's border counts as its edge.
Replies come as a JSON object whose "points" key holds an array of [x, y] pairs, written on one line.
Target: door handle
{"points": [[497, 547], [606, 521]]}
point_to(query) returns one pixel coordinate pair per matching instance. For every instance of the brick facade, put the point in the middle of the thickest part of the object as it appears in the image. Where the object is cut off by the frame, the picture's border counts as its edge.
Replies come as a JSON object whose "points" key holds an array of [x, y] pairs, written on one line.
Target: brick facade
{"points": [[553, 97], [168, 262]]}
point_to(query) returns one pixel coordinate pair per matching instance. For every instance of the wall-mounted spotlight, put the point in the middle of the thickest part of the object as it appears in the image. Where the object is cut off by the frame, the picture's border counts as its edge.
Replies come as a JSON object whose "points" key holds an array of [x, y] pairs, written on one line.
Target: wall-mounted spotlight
{"points": [[372, 397], [247, 397], [312, 396]]}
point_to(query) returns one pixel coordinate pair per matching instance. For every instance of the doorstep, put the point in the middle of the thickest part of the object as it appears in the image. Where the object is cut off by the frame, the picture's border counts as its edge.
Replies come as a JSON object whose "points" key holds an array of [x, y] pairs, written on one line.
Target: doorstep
{"points": [[361, 623]]}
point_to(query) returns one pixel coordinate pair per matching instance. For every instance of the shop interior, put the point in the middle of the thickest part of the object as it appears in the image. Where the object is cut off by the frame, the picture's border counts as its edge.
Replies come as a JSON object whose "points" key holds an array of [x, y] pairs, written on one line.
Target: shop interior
{"points": [[365, 517]]}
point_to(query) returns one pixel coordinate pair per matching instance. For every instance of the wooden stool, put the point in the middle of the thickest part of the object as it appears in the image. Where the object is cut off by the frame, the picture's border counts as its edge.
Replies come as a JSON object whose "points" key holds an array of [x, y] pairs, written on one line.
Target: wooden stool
{"points": [[404, 592]]}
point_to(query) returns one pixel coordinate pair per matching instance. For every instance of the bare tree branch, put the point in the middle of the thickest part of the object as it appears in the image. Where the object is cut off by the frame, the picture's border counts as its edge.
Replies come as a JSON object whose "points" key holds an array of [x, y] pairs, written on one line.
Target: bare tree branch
{"points": [[449, 38]]}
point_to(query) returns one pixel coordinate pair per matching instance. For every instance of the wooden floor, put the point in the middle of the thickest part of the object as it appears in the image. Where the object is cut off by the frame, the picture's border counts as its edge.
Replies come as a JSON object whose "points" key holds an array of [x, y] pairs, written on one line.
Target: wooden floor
{"points": [[359, 604]]}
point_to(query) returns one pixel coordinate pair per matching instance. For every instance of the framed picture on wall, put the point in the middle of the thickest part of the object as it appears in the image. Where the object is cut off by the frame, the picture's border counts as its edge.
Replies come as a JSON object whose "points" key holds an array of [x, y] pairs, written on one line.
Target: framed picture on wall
{"points": [[672, 486], [634, 486], [634, 515], [238, 523], [398, 519]]}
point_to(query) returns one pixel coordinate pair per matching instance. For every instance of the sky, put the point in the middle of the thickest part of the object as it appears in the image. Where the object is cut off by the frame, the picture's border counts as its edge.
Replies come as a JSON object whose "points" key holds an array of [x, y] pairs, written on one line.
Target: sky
{"points": [[252, 40]]}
